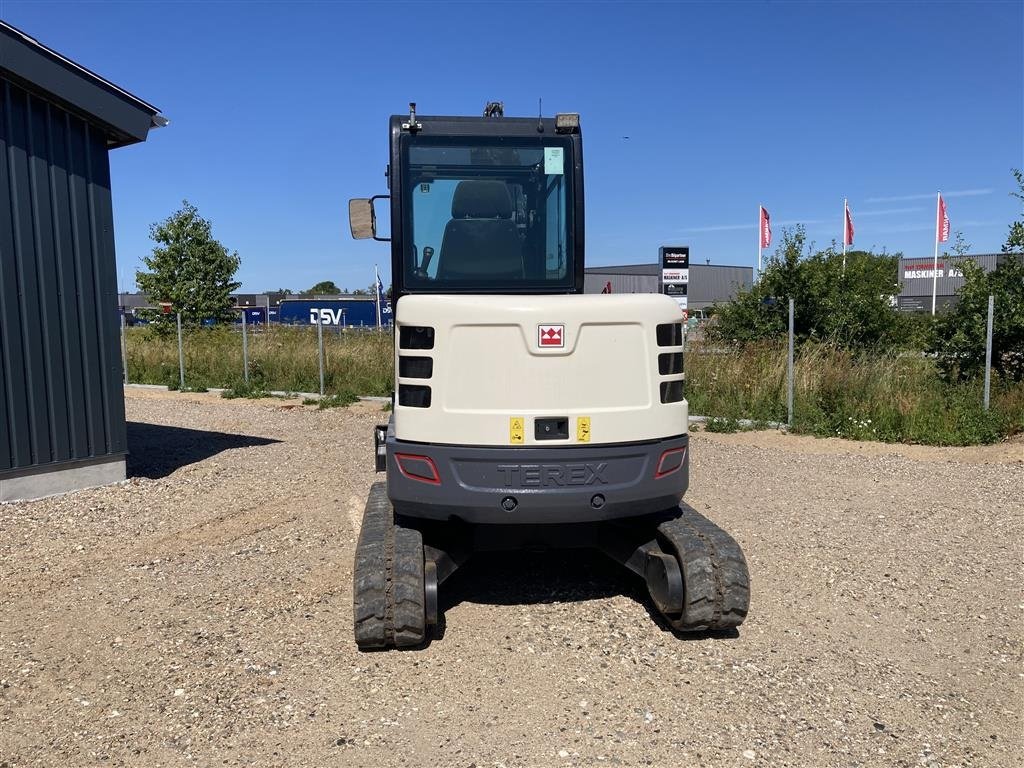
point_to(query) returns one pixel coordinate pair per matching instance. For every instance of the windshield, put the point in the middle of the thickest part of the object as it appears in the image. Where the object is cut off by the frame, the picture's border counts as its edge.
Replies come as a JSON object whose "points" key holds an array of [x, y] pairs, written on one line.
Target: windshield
{"points": [[488, 214]]}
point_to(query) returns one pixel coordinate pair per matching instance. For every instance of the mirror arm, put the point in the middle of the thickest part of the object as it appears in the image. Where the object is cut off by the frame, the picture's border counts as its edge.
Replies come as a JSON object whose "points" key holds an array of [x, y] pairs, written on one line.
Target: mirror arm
{"points": [[380, 197]]}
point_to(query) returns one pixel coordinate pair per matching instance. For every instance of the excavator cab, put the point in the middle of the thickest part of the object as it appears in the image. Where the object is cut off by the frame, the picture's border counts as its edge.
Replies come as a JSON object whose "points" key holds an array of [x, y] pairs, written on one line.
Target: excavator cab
{"points": [[525, 413]]}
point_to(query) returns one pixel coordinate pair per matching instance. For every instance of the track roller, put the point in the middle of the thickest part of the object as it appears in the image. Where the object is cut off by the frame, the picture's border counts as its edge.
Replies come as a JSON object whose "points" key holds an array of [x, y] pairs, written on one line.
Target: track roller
{"points": [[390, 591]]}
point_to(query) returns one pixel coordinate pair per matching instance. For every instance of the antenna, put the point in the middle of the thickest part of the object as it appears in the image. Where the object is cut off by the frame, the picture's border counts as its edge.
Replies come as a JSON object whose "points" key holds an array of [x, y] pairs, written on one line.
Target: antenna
{"points": [[540, 115]]}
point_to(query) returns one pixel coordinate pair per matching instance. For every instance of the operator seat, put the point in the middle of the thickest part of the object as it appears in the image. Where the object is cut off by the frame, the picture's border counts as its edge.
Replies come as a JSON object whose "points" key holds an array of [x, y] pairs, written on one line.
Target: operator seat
{"points": [[481, 241]]}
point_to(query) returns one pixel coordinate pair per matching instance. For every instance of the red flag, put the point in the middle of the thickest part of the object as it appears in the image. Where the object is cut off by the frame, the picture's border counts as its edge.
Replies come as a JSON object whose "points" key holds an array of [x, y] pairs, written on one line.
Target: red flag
{"points": [[766, 228], [848, 229], [942, 224]]}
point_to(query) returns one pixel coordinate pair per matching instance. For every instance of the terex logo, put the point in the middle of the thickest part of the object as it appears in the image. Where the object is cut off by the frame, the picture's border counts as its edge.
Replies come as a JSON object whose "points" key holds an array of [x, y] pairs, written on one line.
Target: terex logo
{"points": [[551, 335], [539, 475]]}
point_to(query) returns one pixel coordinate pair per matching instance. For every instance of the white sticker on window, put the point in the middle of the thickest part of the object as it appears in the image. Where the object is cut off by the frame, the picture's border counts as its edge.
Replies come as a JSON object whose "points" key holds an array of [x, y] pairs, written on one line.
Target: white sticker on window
{"points": [[554, 161]]}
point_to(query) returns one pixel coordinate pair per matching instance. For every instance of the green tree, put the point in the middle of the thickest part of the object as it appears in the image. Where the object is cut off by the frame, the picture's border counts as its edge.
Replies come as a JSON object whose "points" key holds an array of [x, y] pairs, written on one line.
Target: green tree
{"points": [[1015, 238], [849, 307], [324, 287], [960, 334], [189, 269]]}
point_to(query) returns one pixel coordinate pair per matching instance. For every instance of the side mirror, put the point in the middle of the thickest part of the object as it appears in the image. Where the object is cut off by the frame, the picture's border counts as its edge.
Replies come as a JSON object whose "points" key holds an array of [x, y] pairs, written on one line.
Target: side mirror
{"points": [[362, 219]]}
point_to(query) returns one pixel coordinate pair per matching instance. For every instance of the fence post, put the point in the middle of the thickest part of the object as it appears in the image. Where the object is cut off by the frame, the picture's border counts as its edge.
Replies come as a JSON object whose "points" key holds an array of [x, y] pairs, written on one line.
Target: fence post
{"points": [[988, 348], [789, 390], [245, 349], [124, 350], [181, 358], [320, 348]]}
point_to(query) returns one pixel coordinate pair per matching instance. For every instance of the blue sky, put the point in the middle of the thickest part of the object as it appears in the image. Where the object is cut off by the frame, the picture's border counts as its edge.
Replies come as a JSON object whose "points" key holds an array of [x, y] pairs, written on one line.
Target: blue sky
{"points": [[279, 115]]}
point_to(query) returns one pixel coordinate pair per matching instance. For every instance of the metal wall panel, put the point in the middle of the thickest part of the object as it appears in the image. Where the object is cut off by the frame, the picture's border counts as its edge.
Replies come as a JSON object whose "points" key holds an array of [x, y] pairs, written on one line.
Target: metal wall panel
{"points": [[915, 275], [594, 282], [60, 368], [710, 284]]}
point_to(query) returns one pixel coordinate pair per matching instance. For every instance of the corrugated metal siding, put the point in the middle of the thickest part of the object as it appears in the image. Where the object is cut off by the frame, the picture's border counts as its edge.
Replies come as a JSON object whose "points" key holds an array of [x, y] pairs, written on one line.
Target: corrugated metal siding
{"points": [[948, 282], [60, 369], [710, 284], [594, 282]]}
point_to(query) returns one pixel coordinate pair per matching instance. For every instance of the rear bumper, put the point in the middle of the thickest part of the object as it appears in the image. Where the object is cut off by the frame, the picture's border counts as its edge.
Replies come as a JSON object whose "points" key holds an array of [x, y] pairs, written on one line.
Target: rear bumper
{"points": [[536, 485]]}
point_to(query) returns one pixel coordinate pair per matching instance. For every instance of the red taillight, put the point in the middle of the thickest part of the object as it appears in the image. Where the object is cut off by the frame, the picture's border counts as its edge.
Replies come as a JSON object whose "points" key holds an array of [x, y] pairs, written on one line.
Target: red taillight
{"points": [[671, 461], [420, 468]]}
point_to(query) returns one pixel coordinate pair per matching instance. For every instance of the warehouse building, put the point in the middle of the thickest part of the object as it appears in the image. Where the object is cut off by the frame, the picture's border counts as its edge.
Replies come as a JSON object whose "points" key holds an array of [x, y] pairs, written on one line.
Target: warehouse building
{"points": [[62, 423], [916, 278], [708, 283]]}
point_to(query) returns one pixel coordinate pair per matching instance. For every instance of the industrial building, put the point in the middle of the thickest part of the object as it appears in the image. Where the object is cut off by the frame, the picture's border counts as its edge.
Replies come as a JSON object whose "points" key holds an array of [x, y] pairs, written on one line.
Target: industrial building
{"points": [[916, 278], [62, 422], [708, 283]]}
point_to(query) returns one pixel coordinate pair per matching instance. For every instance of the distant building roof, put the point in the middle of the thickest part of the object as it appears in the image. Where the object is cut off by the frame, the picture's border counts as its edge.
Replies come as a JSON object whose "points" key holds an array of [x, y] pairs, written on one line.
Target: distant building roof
{"points": [[650, 269]]}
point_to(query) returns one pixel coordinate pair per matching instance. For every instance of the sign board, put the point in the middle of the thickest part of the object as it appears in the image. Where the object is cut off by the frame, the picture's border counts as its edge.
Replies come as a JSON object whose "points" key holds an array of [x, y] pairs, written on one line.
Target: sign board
{"points": [[675, 272]]}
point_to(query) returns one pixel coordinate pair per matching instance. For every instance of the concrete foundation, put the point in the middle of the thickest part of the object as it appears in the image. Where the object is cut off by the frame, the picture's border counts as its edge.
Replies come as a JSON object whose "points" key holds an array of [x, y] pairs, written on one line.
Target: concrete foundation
{"points": [[37, 482]]}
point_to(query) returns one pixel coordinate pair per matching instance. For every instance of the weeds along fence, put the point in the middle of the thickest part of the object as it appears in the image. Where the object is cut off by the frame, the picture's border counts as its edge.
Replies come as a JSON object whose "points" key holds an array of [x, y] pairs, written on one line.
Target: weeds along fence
{"points": [[280, 358], [889, 396]]}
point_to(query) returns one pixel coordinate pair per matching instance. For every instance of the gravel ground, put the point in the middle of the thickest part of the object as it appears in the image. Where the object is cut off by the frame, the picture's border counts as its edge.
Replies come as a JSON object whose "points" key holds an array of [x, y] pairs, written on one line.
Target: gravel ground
{"points": [[201, 613]]}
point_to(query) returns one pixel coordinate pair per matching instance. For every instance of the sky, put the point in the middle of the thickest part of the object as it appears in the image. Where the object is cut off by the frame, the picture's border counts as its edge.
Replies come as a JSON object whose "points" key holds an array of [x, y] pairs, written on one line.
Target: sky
{"points": [[278, 115]]}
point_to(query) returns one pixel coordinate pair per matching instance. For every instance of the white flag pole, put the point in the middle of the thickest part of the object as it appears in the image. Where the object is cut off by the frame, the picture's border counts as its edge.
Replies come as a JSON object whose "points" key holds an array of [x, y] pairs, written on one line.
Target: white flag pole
{"points": [[760, 238], [935, 260], [844, 235], [376, 292]]}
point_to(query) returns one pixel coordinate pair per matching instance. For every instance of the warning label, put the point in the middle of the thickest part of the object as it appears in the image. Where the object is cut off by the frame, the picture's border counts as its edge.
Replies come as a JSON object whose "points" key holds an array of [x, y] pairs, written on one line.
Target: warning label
{"points": [[583, 429], [516, 429]]}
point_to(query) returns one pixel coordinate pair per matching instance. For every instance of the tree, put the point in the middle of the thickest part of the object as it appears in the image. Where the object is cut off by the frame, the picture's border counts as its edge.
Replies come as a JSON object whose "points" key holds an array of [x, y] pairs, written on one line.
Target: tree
{"points": [[960, 334], [323, 288], [189, 269], [1015, 237], [850, 307]]}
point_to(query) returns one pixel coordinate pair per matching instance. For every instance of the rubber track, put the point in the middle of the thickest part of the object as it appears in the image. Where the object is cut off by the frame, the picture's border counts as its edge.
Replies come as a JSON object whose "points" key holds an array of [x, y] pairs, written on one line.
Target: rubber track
{"points": [[388, 595], [715, 577]]}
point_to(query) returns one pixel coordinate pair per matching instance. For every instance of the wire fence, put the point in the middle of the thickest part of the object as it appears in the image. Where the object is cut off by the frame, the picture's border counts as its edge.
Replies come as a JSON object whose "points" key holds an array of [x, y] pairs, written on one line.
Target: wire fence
{"points": [[815, 388]]}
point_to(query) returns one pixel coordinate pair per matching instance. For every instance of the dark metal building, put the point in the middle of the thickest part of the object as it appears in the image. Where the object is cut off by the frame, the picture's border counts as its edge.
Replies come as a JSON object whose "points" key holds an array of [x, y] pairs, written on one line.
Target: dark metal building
{"points": [[709, 283], [62, 423], [916, 277]]}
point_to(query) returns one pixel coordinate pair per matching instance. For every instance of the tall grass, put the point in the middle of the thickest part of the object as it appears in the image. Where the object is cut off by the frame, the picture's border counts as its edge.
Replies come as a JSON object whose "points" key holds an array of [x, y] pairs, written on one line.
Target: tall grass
{"points": [[280, 358], [894, 397], [888, 396]]}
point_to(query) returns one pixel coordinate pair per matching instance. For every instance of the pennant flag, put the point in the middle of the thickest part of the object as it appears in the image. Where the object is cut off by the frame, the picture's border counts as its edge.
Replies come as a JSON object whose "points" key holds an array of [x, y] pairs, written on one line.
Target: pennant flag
{"points": [[766, 228], [848, 229], [383, 305], [942, 223]]}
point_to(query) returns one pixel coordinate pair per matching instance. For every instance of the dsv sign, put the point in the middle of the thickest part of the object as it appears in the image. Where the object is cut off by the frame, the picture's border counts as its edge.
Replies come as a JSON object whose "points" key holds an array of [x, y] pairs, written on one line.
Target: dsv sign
{"points": [[326, 316]]}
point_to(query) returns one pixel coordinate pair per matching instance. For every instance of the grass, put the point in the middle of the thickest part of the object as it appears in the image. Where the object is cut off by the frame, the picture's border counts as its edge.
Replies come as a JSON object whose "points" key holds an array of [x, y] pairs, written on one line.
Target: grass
{"points": [[837, 393], [893, 397], [281, 358]]}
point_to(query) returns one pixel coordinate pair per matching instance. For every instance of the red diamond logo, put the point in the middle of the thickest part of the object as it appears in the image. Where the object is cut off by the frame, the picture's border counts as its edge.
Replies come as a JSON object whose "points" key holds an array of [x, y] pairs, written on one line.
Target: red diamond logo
{"points": [[551, 335]]}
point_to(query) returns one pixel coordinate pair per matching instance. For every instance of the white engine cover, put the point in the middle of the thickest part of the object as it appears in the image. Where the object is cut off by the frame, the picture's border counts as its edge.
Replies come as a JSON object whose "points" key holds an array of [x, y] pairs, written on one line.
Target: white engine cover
{"points": [[491, 367]]}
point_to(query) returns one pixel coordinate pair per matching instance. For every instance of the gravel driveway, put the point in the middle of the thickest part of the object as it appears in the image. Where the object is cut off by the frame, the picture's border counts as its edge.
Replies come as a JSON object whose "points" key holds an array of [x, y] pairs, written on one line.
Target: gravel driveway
{"points": [[201, 614]]}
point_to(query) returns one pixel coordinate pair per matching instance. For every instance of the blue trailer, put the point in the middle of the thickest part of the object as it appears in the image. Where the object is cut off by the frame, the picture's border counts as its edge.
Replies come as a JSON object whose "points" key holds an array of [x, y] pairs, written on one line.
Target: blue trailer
{"points": [[253, 315], [348, 313]]}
